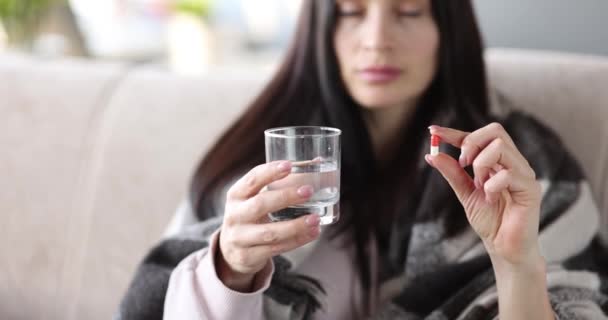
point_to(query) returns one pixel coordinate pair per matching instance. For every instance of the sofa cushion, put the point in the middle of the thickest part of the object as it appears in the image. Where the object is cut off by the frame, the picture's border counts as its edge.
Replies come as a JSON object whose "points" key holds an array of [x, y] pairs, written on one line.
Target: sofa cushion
{"points": [[156, 128], [49, 115]]}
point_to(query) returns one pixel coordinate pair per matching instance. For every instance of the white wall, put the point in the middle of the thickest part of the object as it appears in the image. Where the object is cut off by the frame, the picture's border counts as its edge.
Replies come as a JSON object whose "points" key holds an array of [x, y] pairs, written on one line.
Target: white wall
{"points": [[565, 25]]}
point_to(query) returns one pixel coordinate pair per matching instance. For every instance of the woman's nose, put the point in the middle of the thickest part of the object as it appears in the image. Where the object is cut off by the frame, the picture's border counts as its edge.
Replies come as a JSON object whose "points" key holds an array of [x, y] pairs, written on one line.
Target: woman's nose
{"points": [[376, 31]]}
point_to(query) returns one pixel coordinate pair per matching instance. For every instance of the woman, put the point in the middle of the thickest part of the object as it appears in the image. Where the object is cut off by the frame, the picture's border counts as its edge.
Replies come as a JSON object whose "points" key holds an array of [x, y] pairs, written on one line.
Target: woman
{"points": [[409, 245]]}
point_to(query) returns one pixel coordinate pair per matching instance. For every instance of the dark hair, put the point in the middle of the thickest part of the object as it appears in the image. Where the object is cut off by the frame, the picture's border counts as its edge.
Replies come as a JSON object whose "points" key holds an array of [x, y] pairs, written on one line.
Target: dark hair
{"points": [[307, 89]]}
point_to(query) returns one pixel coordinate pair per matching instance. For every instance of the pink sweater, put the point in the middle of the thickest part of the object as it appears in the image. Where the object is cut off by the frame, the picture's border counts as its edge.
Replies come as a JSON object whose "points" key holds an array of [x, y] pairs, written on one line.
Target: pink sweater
{"points": [[196, 292]]}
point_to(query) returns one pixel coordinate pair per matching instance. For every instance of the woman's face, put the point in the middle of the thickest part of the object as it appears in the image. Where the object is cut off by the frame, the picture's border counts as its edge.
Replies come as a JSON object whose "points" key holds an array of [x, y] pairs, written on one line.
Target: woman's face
{"points": [[386, 50]]}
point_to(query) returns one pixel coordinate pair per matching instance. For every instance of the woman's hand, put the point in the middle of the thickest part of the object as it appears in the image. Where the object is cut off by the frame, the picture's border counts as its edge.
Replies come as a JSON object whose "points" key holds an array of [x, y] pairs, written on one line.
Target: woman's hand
{"points": [[247, 239], [502, 202]]}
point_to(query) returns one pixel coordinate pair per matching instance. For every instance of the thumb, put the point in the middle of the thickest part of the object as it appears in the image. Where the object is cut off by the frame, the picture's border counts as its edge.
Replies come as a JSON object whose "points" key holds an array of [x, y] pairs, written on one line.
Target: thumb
{"points": [[459, 180]]}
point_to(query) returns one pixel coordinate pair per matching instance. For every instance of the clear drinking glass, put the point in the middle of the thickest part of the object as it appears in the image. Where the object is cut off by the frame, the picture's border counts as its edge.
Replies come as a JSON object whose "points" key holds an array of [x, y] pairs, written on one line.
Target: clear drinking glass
{"points": [[315, 156]]}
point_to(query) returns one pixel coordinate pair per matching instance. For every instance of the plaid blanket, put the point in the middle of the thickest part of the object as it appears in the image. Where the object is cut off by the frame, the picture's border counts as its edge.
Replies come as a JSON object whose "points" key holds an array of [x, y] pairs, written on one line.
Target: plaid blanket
{"points": [[439, 275]]}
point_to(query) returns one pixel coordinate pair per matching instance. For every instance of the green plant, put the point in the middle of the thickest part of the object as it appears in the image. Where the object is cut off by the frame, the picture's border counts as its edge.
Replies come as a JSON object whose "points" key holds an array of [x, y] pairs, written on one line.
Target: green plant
{"points": [[22, 18], [199, 8]]}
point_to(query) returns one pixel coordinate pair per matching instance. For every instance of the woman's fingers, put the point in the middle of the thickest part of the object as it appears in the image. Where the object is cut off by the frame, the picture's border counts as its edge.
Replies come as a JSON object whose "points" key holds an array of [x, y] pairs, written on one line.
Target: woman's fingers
{"points": [[247, 240], [498, 165], [257, 178], [452, 136], [258, 206], [294, 242], [248, 246], [279, 234], [488, 148], [472, 143], [508, 180], [499, 153], [495, 169], [459, 180]]}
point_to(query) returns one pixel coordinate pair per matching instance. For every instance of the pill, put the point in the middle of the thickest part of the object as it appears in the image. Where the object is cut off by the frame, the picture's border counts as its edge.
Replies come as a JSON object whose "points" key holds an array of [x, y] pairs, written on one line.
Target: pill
{"points": [[435, 141]]}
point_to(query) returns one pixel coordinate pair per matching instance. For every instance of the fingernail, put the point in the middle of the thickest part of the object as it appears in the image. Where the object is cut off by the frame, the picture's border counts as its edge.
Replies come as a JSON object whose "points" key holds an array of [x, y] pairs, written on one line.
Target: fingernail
{"points": [[462, 159], [305, 191], [434, 127], [313, 220], [284, 166]]}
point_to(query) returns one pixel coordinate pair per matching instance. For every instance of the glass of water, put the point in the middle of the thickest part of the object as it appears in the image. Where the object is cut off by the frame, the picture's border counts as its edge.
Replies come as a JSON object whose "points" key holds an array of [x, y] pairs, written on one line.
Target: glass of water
{"points": [[314, 153]]}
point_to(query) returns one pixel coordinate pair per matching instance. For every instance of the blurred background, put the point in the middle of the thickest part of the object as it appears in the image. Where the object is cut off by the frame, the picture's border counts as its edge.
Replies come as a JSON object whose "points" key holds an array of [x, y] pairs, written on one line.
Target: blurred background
{"points": [[107, 106], [185, 36], [192, 36]]}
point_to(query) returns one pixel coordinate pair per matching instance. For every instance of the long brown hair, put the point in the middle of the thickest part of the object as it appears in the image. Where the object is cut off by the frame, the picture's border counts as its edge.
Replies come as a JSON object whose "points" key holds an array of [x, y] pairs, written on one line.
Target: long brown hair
{"points": [[308, 84]]}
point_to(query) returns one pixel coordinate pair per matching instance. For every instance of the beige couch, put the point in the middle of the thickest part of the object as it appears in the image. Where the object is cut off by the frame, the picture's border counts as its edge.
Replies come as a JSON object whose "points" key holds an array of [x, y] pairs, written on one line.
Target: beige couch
{"points": [[95, 158]]}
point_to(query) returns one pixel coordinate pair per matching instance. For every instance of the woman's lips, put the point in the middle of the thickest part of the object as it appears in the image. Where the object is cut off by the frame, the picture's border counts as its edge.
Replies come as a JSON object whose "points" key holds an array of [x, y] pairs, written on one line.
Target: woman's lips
{"points": [[379, 75]]}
